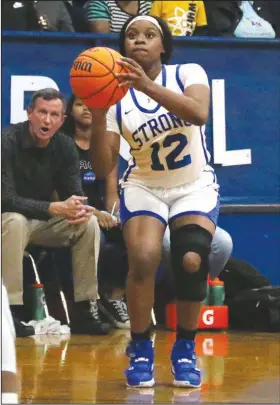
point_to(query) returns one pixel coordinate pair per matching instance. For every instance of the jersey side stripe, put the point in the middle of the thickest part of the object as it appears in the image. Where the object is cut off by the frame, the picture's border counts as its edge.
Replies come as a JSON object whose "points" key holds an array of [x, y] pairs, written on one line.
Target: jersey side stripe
{"points": [[179, 81], [119, 116], [204, 146], [131, 165]]}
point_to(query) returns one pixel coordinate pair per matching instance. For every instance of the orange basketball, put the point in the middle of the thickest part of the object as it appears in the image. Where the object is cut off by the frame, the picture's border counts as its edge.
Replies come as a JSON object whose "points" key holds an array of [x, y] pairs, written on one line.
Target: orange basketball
{"points": [[93, 77]]}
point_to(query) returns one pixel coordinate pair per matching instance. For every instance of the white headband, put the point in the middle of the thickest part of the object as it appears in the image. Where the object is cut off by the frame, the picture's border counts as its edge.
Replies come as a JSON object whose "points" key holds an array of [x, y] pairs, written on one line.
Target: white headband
{"points": [[145, 18]]}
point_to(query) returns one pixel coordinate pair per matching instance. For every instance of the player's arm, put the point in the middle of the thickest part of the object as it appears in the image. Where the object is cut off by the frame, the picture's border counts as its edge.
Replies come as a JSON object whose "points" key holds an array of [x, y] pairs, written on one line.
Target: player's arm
{"points": [[192, 106], [111, 190], [104, 145]]}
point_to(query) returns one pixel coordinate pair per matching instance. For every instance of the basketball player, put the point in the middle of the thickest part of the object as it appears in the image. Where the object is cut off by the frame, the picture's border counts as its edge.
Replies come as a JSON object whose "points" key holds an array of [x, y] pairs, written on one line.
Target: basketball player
{"points": [[8, 366], [168, 181]]}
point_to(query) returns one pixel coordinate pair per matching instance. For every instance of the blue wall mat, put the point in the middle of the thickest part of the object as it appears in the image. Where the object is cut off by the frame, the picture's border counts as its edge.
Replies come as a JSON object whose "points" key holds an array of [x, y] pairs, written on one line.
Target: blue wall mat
{"points": [[256, 239]]}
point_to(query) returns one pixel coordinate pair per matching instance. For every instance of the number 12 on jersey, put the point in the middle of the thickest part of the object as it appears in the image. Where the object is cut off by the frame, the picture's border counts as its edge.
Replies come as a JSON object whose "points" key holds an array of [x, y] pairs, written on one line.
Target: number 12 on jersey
{"points": [[171, 161]]}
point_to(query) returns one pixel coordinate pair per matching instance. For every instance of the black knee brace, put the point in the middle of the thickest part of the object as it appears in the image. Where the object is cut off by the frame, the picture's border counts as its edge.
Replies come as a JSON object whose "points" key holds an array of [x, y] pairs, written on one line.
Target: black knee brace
{"points": [[190, 238]]}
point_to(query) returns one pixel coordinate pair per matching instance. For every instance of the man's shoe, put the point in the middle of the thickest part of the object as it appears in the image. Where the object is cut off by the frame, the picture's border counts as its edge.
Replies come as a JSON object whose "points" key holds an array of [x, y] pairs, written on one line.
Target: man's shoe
{"points": [[21, 329], [87, 321], [184, 369], [141, 368], [116, 311]]}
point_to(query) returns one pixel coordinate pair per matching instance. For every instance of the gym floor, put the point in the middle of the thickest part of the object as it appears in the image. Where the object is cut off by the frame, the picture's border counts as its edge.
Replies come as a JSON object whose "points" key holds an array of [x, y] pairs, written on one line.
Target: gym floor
{"points": [[237, 367]]}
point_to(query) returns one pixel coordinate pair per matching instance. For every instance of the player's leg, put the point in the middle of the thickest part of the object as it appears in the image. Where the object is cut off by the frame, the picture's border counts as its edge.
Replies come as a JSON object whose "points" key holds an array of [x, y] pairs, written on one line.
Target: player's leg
{"points": [[144, 217], [143, 235], [9, 373], [221, 249], [192, 226]]}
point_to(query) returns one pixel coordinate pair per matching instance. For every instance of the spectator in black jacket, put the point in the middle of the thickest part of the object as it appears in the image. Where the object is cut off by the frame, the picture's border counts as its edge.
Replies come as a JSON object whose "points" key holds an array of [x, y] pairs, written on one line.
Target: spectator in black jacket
{"points": [[36, 161], [78, 15], [19, 16], [36, 16], [53, 16]]}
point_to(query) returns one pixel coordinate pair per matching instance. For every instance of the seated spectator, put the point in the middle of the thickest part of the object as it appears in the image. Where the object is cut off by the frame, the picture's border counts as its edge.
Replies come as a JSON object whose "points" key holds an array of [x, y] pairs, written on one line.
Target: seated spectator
{"points": [[53, 16], [78, 15], [36, 16], [222, 17], [112, 272], [183, 17], [251, 24], [243, 19], [110, 15], [19, 16], [78, 3], [269, 11], [38, 160]]}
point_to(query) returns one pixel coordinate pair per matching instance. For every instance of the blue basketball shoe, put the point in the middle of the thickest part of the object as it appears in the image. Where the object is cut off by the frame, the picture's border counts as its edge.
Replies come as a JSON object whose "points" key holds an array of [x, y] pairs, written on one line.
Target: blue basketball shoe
{"points": [[141, 367], [184, 369]]}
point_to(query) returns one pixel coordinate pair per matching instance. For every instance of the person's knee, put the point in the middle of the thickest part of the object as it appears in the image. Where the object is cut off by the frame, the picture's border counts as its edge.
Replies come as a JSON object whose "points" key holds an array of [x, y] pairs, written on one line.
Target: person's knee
{"points": [[14, 221], [91, 227], [221, 250], [190, 247], [92, 223], [191, 262], [227, 244], [143, 262], [222, 243]]}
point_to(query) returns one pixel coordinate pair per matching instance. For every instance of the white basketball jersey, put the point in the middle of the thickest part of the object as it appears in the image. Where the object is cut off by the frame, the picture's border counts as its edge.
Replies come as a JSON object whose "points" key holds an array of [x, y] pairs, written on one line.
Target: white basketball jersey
{"points": [[166, 151]]}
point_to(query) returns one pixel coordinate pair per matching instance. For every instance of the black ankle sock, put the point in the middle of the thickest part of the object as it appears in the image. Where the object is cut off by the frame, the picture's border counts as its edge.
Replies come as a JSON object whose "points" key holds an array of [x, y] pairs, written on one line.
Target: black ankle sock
{"points": [[185, 334], [141, 336]]}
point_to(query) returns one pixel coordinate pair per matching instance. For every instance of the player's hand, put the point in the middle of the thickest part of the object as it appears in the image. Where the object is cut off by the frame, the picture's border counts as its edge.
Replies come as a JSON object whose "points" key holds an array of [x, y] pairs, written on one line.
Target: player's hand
{"points": [[112, 202], [98, 113], [136, 77], [105, 220]]}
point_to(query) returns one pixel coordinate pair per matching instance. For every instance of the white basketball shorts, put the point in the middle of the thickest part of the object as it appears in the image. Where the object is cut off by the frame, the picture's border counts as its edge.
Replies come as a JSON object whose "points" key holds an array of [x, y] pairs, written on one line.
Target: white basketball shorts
{"points": [[198, 198]]}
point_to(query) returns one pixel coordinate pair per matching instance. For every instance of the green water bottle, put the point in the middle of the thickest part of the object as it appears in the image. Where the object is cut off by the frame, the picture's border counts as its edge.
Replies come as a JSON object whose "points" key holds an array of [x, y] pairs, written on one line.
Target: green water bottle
{"points": [[38, 302], [217, 292]]}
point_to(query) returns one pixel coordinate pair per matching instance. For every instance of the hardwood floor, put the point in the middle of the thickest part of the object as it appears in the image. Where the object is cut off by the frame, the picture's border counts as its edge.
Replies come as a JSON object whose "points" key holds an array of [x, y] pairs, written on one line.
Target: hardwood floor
{"points": [[237, 367]]}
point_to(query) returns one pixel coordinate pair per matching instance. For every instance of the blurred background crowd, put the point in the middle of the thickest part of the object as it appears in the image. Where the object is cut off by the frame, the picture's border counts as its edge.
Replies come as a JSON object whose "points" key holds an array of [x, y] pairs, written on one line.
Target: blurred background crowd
{"points": [[242, 19]]}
